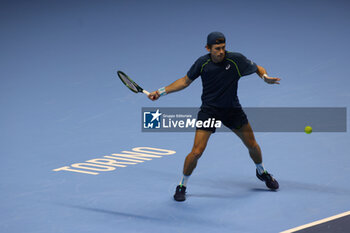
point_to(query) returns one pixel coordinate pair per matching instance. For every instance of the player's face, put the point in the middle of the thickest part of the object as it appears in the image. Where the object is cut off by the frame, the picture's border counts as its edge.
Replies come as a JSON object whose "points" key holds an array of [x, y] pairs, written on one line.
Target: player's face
{"points": [[217, 52]]}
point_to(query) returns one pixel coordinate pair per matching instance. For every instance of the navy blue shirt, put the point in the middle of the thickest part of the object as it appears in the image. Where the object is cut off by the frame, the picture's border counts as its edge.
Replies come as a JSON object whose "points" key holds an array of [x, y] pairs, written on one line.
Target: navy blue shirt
{"points": [[220, 80]]}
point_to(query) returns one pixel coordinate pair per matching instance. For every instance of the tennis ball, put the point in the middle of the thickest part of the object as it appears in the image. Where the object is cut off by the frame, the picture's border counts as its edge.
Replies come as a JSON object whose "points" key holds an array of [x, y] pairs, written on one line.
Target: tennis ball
{"points": [[308, 129]]}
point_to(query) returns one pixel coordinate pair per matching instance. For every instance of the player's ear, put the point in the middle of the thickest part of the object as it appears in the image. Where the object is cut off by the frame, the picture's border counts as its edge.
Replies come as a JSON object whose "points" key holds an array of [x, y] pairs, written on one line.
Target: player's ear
{"points": [[208, 48]]}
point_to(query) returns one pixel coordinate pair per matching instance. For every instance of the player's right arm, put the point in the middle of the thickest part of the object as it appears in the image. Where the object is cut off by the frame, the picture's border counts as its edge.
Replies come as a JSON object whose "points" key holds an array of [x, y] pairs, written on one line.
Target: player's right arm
{"points": [[194, 72], [178, 85]]}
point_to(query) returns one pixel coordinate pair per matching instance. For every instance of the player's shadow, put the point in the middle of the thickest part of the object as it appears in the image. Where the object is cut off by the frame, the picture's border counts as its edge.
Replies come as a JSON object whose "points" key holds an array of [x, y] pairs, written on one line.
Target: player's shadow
{"points": [[112, 212], [170, 219], [230, 188], [263, 190], [243, 188], [240, 194]]}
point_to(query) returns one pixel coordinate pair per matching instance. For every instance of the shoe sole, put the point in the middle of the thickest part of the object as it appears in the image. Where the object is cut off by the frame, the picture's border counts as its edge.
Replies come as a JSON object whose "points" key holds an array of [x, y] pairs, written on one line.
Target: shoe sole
{"points": [[180, 199]]}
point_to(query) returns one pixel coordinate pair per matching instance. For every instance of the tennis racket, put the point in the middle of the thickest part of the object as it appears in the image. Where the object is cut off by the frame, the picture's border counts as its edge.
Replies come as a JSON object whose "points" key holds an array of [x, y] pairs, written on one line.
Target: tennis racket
{"points": [[131, 84]]}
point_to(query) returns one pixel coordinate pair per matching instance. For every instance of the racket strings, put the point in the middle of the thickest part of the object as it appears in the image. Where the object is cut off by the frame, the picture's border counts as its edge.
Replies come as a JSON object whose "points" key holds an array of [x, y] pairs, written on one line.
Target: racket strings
{"points": [[128, 82]]}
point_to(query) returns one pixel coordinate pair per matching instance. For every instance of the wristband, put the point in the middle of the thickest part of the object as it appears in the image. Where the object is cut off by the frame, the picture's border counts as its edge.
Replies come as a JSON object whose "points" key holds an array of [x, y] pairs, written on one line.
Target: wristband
{"points": [[264, 76], [162, 91]]}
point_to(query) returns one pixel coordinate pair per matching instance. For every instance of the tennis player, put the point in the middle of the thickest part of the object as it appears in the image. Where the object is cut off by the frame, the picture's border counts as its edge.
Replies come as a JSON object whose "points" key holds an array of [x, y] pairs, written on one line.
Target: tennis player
{"points": [[220, 71]]}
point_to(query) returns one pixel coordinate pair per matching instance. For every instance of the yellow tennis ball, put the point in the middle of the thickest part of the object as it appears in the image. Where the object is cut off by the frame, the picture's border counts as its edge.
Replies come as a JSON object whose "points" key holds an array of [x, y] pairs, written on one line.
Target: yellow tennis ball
{"points": [[308, 129]]}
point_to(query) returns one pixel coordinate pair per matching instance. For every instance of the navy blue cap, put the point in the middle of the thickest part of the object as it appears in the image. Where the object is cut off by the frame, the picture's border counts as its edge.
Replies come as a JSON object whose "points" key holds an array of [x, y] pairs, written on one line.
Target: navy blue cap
{"points": [[213, 38]]}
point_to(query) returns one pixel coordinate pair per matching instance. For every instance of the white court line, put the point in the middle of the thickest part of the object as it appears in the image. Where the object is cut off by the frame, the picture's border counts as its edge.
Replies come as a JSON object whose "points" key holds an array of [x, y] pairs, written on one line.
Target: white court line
{"points": [[317, 222]]}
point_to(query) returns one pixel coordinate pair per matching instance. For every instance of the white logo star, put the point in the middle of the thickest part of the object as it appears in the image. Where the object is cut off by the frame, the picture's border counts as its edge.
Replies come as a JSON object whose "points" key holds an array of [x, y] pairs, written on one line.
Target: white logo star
{"points": [[156, 115]]}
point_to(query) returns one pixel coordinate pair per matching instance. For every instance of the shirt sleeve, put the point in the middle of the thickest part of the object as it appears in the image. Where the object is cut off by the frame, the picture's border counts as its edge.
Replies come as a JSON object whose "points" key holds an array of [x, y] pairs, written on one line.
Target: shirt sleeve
{"points": [[246, 66], [195, 70]]}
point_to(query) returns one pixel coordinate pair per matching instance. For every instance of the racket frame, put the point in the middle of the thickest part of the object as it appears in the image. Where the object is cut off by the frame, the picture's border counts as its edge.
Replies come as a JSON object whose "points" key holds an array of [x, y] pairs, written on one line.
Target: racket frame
{"points": [[139, 89]]}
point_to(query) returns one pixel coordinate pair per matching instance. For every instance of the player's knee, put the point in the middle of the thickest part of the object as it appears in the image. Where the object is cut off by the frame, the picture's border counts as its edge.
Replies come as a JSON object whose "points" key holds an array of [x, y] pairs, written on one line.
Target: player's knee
{"points": [[197, 152], [252, 145]]}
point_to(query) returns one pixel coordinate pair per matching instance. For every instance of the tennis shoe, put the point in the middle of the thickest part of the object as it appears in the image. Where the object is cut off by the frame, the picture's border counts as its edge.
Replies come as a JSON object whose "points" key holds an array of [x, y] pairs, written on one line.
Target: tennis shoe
{"points": [[270, 182], [180, 193]]}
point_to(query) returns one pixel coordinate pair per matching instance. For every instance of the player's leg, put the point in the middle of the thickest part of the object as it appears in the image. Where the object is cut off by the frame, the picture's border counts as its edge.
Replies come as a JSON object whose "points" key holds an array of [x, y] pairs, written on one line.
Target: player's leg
{"points": [[200, 142], [246, 134]]}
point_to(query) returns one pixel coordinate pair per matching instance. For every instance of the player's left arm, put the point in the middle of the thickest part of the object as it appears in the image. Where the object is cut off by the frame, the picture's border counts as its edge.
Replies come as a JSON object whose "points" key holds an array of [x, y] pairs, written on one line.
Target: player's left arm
{"points": [[263, 74]]}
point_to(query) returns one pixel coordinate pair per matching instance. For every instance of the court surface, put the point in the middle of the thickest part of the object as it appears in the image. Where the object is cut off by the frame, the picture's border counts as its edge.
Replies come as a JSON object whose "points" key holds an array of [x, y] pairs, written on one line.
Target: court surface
{"points": [[62, 104]]}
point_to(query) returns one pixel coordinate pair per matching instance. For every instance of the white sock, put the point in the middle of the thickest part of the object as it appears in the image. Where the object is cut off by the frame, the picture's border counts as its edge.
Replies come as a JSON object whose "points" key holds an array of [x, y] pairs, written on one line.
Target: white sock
{"points": [[260, 168], [184, 180]]}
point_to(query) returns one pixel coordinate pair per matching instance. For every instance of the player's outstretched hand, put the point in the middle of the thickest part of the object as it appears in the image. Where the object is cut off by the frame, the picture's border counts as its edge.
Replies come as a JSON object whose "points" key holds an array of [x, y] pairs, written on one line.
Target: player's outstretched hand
{"points": [[271, 80], [154, 95]]}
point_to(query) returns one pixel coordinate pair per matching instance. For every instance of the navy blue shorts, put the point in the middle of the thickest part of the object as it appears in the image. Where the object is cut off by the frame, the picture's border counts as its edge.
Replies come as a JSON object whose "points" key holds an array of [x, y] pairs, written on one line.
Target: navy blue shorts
{"points": [[232, 118]]}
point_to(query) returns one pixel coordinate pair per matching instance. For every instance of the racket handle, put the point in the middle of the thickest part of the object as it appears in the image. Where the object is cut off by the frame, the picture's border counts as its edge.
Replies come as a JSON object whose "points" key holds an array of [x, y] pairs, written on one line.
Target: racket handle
{"points": [[145, 92]]}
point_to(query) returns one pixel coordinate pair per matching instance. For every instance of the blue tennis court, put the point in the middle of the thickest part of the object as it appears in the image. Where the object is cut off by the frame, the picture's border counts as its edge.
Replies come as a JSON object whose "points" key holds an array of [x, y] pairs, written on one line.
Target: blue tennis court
{"points": [[66, 116]]}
